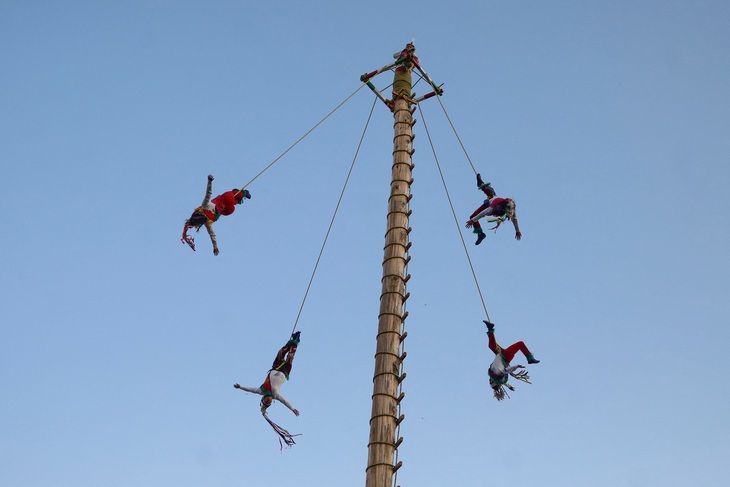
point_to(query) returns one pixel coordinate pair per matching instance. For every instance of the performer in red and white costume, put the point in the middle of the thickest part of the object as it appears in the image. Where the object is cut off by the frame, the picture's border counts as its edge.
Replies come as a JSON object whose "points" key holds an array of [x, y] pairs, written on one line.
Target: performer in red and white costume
{"points": [[210, 210], [271, 388], [278, 374], [500, 369], [501, 208]]}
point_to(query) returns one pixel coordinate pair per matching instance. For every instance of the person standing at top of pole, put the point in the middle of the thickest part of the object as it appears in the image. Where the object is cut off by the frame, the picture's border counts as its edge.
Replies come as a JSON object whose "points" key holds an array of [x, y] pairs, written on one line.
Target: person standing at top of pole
{"points": [[500, 208], [402, 81]]}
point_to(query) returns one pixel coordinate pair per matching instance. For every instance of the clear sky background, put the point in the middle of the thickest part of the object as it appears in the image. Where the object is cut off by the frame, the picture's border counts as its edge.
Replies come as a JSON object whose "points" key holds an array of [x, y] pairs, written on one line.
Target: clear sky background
{"points": [[607, 122]]}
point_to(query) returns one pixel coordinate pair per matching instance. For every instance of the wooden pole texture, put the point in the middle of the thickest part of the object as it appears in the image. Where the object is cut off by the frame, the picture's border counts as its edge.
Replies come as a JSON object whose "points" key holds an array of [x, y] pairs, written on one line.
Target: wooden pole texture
{"points": [[384, 421]]}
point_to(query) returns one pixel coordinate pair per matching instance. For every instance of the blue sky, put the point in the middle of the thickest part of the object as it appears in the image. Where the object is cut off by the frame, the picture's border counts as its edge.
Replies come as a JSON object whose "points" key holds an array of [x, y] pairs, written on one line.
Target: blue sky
{"points": [[607, 122]]}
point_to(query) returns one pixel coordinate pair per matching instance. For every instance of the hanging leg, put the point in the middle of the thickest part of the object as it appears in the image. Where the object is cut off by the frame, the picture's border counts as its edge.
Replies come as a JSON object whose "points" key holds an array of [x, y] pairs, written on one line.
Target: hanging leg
{"points": [[510, 352], [474, 223], [480, 234]]}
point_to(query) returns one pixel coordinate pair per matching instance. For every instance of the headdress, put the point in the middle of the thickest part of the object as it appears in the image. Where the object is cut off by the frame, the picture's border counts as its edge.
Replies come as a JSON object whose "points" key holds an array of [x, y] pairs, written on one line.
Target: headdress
{"points": [[509, 213], [241, 194], [500, 394]]}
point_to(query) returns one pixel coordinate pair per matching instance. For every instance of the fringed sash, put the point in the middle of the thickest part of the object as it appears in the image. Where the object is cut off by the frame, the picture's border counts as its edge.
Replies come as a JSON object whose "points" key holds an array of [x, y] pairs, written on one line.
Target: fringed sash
{"points": [[284, 435]]}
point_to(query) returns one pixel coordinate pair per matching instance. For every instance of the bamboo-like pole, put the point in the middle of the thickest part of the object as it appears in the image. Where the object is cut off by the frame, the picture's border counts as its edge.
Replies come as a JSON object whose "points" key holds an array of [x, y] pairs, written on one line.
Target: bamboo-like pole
{"points": [[383, 421]]}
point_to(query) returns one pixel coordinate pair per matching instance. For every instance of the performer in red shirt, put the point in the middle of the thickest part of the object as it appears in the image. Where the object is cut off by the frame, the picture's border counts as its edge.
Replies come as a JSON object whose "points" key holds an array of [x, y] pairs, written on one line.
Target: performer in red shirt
{"points": [[210, 210], [500, 208]]}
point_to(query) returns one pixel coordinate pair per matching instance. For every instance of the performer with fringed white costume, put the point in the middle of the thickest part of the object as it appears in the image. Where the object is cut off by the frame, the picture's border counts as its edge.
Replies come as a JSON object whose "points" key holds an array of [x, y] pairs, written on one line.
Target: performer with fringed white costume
{"points": [[271, 388], [500, 370]]}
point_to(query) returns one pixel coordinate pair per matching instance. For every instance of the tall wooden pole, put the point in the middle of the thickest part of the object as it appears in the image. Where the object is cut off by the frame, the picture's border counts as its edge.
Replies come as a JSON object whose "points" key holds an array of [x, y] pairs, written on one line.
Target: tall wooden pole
{"points": [[382, 443]]}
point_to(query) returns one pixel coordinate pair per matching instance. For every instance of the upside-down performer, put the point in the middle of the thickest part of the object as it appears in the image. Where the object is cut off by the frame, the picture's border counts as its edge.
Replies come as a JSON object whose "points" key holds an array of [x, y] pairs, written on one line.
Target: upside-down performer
{"points": [[500, 208], [500, 369], [210, 210], [271, 388]]}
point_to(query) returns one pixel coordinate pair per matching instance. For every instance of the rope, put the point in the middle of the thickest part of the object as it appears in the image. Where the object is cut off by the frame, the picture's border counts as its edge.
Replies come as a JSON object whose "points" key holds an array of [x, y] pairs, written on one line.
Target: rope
{"points": [[337, 207], [455, 133], [302, 137], [456, 220]]}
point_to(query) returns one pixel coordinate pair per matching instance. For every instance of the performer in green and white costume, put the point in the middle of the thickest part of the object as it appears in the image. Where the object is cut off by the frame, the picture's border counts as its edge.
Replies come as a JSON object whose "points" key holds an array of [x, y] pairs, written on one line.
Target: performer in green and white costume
{"points": [[500, 369], [278, 374]]}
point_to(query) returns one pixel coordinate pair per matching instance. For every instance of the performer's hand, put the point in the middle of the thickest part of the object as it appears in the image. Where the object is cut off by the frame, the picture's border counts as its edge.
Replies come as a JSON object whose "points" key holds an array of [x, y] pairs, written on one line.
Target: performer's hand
{"points": [[518, 235], [296, 412], [236, 386], [469, 224], [210, 177]]}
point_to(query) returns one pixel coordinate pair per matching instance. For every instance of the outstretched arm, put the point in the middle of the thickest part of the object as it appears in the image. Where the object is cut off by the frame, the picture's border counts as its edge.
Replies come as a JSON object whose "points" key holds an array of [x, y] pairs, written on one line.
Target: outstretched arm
{"points": [[512, 368], [255, 390], [208, 190], [213, 238], [481, 214], [518, 234], [286, 403], [479, 210]]}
